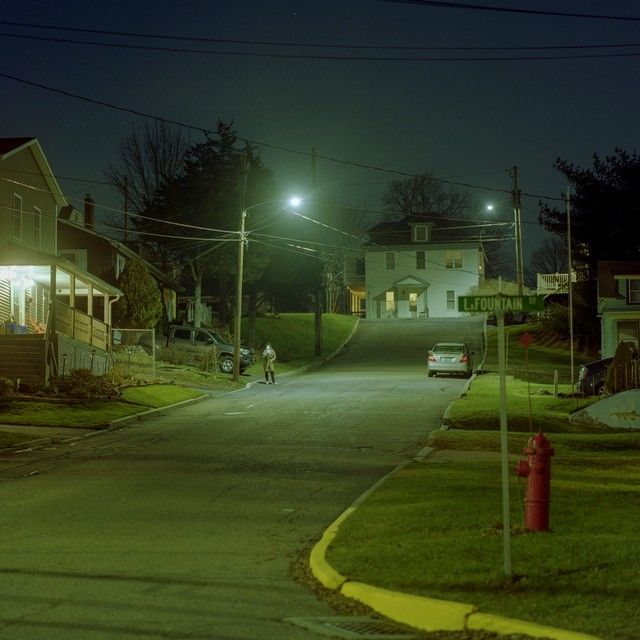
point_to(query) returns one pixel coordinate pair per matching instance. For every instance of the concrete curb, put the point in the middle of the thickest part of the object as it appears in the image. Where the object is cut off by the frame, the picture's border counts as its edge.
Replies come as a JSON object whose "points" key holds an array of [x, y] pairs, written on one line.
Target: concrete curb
{"points": [[426, 614]]}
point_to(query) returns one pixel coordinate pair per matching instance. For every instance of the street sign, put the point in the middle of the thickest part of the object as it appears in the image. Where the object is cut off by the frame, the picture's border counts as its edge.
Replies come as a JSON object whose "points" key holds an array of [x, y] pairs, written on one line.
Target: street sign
{"points": [[500, 303], [526, 340]]}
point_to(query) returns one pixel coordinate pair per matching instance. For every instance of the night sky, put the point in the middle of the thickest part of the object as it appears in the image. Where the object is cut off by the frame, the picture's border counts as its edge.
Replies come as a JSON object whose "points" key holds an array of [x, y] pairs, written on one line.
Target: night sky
{"points": [[467, 121]]}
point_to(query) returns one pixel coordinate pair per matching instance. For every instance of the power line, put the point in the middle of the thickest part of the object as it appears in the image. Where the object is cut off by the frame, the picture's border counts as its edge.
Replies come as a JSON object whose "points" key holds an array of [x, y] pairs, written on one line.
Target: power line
{"points": [[207, 132], [305, 56], [539, 12], [304, 45]]}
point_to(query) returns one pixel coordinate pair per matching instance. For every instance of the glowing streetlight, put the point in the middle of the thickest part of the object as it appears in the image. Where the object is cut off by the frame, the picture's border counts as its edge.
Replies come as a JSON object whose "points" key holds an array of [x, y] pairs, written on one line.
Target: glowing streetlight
{"points": [[242, 240]]}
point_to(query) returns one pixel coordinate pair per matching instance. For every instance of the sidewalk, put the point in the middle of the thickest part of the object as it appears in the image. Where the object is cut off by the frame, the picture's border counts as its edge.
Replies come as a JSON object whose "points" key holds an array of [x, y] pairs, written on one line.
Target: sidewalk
{"points": [[425, 614]]}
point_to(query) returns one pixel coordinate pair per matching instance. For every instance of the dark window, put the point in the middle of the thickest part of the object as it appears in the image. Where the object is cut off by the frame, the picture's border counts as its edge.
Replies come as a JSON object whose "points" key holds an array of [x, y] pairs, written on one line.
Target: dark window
{"points": [[182, 334], [360, 266], [420, 261]]}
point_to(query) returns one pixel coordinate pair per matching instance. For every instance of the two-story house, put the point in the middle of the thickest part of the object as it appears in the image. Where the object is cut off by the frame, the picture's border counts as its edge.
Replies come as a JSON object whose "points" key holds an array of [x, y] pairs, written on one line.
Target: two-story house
{"points": [[410, 273], [49, 307], [105, 257], [618, 304]]}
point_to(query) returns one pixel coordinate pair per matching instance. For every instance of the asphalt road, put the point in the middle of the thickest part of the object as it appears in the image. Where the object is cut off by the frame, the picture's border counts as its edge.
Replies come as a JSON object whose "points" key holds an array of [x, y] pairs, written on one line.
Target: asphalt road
{"points": [[185, 525]]}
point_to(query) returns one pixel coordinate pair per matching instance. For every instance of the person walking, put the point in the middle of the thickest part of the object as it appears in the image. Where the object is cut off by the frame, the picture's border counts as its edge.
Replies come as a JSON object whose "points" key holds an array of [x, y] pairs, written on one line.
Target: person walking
{"points": [[268, 360]]}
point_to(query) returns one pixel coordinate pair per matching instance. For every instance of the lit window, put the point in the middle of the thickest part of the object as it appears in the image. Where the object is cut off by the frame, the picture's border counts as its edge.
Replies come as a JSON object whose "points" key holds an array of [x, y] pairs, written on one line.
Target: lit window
{"points": [[420, 261], [453, 259], [391, 301], [17, 216], [390, 261], [451, 299]]}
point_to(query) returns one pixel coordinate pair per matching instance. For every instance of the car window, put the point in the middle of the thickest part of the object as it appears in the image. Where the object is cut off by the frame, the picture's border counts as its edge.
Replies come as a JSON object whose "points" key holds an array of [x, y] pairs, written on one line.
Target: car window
{"points": [[182, 334], [447, 348], [202, 337]]}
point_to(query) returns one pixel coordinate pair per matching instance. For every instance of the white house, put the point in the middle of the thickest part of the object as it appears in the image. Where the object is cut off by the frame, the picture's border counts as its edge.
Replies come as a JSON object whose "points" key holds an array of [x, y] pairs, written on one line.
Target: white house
{"points": [[414, 269], [618, 304]]}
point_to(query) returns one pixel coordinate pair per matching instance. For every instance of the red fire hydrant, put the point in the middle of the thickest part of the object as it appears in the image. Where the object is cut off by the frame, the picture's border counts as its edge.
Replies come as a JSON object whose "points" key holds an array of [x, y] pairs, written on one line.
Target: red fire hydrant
{"points": [[537, 470]]}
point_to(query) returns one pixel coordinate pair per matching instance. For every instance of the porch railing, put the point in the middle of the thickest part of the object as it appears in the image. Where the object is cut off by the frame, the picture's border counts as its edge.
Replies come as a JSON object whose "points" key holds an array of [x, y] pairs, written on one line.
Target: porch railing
{"points": [[80, 326]]}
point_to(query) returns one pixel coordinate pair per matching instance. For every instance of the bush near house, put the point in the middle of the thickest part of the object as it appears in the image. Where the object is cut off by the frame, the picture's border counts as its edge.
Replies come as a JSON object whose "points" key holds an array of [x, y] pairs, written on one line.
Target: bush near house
{"points": [[622, 374]]}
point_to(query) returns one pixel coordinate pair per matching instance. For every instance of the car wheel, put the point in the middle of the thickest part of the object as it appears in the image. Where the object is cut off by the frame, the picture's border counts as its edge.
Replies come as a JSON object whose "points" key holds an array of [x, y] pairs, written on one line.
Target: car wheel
{"points": [[430, 374], [225, 363]]}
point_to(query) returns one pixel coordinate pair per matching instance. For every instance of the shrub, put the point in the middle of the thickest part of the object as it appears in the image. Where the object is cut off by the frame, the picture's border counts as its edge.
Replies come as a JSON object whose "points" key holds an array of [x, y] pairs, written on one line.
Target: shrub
{"points": [[82, 384], [6, 389]]}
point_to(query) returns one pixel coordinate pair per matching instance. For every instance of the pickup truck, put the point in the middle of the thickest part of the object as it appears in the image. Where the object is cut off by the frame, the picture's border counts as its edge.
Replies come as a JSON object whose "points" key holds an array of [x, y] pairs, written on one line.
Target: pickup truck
{"points": [[197, 341]]}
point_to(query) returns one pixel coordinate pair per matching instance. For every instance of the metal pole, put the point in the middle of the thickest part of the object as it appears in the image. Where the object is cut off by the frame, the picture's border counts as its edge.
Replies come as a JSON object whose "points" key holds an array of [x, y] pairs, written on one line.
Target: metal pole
{"points": [[517, 194], [506, 511], [569, 280], [237, 329]]}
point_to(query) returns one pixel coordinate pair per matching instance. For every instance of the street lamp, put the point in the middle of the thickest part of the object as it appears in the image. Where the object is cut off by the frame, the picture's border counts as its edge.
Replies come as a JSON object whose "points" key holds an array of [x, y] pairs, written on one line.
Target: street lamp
{"points": [[242, 240]]}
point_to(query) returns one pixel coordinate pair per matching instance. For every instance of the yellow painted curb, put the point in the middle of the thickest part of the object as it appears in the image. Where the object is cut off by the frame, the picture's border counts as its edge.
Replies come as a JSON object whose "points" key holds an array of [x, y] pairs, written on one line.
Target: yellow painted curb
{"points": [[427, 614], [321, 569], [488, 622]]}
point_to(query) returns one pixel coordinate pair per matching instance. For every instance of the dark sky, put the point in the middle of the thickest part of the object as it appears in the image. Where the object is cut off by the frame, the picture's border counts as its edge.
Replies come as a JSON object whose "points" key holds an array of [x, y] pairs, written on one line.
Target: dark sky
{"points": [[467, 121]]}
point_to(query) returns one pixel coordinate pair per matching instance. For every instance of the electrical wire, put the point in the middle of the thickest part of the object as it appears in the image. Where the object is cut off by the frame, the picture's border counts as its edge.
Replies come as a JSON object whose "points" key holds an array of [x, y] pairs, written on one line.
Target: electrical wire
{"points": [[539, 12], [208, 132], [313, 45], [306, 56]]}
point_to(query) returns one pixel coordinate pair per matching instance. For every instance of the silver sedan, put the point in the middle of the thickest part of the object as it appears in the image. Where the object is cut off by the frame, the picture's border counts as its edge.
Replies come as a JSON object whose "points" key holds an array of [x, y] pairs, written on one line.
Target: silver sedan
{"points": [[453, 358]]}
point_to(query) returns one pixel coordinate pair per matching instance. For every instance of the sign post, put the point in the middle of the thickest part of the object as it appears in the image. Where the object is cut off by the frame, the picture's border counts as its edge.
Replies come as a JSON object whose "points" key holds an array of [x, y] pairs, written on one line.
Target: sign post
{"points": [[499, 304]]}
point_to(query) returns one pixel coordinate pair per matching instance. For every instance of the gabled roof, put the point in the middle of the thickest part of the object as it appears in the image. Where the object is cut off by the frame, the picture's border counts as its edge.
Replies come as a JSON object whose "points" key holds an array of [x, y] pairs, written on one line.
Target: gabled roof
{"points": [[611, 270], [11, 146], [125, 251], [398, 232]]}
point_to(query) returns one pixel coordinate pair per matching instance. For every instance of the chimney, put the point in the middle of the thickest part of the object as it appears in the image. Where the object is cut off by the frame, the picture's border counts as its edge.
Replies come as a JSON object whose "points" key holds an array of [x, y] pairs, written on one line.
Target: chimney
{"points": [[89, 211]]}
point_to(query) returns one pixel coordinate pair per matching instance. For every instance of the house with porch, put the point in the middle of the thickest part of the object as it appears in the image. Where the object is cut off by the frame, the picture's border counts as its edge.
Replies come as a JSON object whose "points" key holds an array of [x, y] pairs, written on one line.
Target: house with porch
{"points": [[413, 269], [54, 315], [618, 296], [105, 257]]}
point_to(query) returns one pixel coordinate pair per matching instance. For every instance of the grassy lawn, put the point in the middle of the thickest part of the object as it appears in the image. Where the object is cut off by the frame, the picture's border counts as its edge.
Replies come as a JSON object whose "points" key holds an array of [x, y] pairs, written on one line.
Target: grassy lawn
{"points": [[435, 528]]}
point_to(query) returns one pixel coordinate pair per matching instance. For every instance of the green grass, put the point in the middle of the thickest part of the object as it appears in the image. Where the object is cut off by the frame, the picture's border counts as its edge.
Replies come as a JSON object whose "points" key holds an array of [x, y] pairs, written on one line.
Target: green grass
{"points": [[434, 528]]}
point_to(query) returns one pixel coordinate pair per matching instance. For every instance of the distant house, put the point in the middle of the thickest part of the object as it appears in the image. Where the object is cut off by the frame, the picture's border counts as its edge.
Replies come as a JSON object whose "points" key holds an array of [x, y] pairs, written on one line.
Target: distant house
{"points": [[106, 258], [618, 304], [413, 269], [48, 306]]}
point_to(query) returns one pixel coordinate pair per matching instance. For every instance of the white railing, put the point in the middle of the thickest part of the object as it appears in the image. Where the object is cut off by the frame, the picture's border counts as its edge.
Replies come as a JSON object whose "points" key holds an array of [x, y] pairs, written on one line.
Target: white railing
{"points": [[553, 282]]}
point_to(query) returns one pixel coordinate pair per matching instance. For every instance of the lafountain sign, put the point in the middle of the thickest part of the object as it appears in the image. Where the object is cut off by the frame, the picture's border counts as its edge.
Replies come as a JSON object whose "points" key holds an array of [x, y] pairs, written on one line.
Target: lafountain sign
{"points": [[500, 304]]}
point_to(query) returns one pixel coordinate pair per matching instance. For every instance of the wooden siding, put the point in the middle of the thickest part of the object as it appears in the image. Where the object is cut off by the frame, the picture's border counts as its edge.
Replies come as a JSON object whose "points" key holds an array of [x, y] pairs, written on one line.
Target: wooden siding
{"points": [[24, 357], [73, 354], [23, 167]]}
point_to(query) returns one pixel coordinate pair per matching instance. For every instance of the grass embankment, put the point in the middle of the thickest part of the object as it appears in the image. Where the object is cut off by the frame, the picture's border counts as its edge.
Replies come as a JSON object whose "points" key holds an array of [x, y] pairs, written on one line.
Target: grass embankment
{"points": [[434, 529], [292, 334]]}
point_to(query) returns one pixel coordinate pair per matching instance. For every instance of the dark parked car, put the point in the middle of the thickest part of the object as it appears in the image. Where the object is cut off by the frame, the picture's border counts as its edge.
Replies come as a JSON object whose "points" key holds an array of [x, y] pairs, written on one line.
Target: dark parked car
{"points": [[449, 357], [197, 341], [591, 377]]}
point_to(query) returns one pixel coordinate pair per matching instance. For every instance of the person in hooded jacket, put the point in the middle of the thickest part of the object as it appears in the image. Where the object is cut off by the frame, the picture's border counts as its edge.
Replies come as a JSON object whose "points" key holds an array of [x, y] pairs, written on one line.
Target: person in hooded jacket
{"points": [[268, 360]]}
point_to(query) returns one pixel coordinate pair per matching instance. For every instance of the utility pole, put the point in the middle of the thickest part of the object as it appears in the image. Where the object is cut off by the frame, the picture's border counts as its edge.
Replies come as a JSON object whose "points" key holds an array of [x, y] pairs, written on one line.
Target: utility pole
{"points": [[318, 296], [569, 280], [125, 206], [516, 195], [237, 329]]}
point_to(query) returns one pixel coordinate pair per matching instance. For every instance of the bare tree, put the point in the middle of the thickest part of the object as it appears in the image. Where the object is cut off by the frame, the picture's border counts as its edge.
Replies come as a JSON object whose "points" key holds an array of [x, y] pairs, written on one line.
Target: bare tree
{"points": [[147, 158], [423, 196], [550, 257]]}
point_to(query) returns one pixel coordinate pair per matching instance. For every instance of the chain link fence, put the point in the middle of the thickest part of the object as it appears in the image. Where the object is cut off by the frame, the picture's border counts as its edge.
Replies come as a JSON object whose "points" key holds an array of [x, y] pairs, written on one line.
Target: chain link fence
{"points": [[133, 352]]}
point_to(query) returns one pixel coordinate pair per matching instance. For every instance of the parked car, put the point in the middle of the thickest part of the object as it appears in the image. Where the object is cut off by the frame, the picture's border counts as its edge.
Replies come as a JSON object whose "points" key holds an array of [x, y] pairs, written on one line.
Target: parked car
{"points": [[197, 341], [591, 377], [453, 358]]}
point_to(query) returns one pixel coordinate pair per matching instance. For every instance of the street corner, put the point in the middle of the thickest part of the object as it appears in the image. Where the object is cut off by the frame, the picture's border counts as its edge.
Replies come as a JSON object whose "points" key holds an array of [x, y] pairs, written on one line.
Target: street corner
{"points": [[426, 614]]}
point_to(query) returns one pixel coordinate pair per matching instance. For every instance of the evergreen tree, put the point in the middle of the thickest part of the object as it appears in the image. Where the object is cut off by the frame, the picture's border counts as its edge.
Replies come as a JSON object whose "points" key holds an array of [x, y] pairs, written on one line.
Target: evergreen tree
{"points": [[140, 306]]}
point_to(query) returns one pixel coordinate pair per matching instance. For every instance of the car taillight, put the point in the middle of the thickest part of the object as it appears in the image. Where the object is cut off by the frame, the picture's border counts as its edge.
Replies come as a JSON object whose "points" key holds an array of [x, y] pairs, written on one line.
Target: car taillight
{"points": [[465, 358], [431, 357]]}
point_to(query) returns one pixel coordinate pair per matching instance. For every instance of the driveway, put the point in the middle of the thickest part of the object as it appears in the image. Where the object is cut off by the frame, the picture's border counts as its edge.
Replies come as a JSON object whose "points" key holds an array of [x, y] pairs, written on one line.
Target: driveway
{"points": [[185, 525]]}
